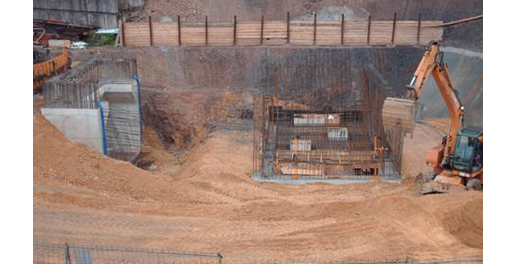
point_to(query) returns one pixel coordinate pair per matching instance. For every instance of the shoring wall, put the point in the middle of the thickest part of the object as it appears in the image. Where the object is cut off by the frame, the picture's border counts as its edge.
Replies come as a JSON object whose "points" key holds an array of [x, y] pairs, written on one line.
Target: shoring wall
{"points": [[245, 33], [256, 67]]}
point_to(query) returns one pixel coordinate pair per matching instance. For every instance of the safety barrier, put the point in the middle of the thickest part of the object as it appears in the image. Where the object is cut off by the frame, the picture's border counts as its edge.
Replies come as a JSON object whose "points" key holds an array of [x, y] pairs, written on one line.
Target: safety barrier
{"points": [[47, 253]]}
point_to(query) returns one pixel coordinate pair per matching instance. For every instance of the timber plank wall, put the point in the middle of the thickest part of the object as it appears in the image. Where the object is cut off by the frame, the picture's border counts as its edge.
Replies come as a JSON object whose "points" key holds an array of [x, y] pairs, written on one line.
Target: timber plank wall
{"points": [[321, 33]]}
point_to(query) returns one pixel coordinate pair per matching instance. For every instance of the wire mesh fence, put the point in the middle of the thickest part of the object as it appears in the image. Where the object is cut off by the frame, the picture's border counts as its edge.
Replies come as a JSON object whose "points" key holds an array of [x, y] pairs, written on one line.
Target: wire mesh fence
{"points": [[47, 253], [408, 260], [454, 260]]}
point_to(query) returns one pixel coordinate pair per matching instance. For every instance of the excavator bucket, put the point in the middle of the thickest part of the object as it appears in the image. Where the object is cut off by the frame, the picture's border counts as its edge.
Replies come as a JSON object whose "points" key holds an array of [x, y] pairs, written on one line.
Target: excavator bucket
{"points": [[441, 184], [439, 187], [400, 113]]}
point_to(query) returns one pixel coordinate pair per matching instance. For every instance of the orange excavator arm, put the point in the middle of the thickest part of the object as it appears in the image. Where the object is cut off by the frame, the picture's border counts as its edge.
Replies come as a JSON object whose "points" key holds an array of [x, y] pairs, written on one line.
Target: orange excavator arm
{"points": [[424, 69], [431, 63]]}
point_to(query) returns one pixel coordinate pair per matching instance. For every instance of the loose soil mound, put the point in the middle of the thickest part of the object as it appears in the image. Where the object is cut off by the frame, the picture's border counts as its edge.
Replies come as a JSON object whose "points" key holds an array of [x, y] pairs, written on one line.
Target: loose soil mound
{"points": [[56, 160]]}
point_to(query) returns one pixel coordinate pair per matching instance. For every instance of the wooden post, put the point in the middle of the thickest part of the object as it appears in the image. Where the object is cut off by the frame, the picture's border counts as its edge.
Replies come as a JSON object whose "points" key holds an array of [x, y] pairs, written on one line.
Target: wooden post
{"points": [[368, 29], [376, 149], [150, 31], [376, 104], [261, 33], [179, 30], [342, 31], [288, 27], [276, 85], [393, 28], [206, 31], [418, 27], [315, 76], [68, 260], [123, 33], [285, 86], [235, 31], [315, 28]]}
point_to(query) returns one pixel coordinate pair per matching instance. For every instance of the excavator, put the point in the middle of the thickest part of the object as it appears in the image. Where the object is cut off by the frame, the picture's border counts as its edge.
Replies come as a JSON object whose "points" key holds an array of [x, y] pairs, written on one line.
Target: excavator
{"points": [[457, 161]]}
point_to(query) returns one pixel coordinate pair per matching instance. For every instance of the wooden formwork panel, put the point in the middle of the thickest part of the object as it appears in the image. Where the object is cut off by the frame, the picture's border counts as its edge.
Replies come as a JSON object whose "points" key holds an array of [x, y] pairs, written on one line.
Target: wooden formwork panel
{"points": [[248, 33], [274, 32], [301, 33], [220, 35], [193, 35], [137, 34], [165, 34]]}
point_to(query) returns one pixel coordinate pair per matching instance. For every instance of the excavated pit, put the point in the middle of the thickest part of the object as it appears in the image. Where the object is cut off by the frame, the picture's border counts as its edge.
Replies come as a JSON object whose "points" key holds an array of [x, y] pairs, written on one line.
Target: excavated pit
{"points": [[198, 194], [189, 91]]}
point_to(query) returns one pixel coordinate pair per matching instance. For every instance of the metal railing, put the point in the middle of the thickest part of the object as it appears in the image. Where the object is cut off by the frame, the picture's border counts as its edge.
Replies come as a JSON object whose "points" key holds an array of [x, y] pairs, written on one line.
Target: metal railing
{"points": [[47, 253], [471, 260]]}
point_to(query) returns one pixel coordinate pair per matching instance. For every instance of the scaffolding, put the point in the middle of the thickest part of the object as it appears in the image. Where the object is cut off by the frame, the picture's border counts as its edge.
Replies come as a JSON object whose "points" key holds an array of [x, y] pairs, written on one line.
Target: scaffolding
{"points": [[328, 134]]}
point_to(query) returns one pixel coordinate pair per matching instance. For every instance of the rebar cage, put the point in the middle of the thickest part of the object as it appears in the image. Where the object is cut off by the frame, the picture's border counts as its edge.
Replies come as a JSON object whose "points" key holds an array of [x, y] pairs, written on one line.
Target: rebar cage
{"points": [[331, 133], [79, 88]]}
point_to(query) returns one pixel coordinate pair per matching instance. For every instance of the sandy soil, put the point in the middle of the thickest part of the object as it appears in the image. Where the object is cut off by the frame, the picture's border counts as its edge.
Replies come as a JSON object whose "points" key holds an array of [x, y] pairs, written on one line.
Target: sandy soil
{"points": [[426, 135], [211, 204]]}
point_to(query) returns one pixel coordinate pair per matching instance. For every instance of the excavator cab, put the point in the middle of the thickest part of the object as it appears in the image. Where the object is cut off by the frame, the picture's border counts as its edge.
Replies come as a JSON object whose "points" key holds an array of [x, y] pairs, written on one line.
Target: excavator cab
{"points": [[467, 157]]}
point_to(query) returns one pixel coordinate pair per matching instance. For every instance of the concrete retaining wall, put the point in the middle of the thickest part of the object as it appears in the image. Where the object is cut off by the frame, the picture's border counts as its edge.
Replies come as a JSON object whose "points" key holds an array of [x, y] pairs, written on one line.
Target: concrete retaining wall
{"points": [[81, 125]]}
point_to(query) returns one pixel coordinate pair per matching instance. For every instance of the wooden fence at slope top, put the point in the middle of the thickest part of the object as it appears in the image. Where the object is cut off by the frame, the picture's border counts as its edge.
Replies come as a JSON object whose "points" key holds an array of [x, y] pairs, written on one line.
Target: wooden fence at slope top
{"points": [[323, 33]]}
